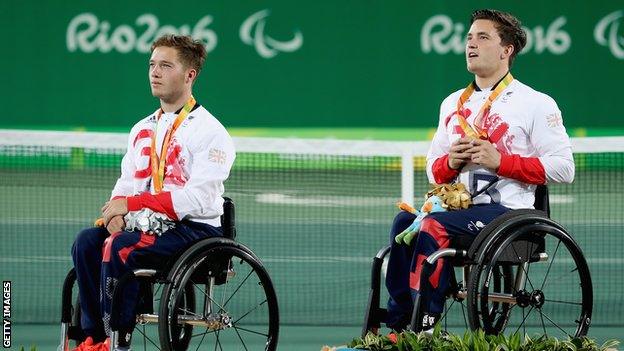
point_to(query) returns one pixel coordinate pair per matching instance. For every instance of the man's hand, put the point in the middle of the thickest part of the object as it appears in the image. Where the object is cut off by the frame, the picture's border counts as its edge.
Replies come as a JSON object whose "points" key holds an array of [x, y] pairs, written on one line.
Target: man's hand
{"points": [[117, 207], [116, 224], [485, 154], [458, 154]]}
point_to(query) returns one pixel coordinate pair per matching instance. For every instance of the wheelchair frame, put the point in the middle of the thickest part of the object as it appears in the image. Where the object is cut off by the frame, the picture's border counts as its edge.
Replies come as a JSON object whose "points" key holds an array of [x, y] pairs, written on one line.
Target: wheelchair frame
{"points": [[496, 247], [181, 270]]}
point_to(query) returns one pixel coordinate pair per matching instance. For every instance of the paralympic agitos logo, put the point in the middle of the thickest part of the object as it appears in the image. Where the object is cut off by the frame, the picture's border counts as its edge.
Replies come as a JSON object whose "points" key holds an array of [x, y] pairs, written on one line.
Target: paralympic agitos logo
{"points": [[87, 33], [608, 33], [252, 33]]}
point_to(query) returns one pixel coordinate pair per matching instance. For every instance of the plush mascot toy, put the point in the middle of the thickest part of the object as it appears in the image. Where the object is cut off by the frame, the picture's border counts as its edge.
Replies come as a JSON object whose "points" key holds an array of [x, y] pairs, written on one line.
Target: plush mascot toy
{"points": [[444, 197]]}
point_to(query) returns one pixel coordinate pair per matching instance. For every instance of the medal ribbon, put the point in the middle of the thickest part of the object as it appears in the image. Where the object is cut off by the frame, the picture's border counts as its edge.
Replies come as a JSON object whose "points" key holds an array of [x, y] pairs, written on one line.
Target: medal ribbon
{"points": [[158, 163], [478, 132]]}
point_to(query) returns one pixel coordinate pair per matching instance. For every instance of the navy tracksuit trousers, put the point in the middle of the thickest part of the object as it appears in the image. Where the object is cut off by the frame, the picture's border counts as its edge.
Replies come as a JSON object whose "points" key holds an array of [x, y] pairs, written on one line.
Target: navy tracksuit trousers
{"points": [[100, 259], [405, 263]]}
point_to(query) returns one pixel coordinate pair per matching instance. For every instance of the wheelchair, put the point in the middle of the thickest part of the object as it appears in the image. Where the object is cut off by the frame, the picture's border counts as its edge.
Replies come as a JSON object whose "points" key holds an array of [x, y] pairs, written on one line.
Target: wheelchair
{"points": [[522, 272], [215, 294]]}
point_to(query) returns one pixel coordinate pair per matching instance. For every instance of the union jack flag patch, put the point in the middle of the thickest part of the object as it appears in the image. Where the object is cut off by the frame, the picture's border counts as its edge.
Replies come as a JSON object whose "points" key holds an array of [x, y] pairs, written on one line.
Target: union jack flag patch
{"points": [[217, 156], [554, 120]]}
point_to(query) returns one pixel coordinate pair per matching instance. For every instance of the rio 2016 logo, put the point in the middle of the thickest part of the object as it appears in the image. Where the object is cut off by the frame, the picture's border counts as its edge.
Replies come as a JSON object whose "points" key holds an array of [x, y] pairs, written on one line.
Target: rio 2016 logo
{"points": [[86, 33], [441, 35]]}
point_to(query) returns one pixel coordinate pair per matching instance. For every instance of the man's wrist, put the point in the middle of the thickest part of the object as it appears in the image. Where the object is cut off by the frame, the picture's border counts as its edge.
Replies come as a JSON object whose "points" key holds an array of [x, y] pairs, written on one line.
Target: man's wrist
{"points": [[448, 164]]}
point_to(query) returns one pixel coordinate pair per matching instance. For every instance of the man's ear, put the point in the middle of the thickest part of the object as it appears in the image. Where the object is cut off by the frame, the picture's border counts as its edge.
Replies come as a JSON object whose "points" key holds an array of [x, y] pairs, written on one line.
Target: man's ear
{"points": [[191, 75], [508, 51]]}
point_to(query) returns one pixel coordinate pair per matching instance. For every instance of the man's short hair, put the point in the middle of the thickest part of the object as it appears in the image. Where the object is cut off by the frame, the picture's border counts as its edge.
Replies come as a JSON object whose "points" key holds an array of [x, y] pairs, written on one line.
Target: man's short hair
{"points": [[508, 28], [191, 52]]}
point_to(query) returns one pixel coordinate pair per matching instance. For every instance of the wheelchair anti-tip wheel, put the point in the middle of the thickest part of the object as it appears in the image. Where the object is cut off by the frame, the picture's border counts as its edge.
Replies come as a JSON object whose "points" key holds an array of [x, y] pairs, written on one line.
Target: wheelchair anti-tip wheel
{"points": [[236, 305], [551, 292]]}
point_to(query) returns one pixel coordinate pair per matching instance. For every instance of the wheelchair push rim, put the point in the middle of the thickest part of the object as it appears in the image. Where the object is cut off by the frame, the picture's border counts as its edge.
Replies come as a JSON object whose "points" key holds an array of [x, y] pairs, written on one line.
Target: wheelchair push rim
{"points": [[236, 305]]}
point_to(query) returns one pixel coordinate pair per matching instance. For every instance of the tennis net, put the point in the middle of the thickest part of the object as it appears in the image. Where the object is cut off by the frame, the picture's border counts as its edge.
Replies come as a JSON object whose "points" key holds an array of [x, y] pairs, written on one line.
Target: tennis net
{"points": [[315, 212]]}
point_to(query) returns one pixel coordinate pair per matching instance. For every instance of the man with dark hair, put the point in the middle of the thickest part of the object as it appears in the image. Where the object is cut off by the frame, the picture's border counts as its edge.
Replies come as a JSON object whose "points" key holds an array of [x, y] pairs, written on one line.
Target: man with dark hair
{"points": [[498, 137], [171, 180], [508, 28]]}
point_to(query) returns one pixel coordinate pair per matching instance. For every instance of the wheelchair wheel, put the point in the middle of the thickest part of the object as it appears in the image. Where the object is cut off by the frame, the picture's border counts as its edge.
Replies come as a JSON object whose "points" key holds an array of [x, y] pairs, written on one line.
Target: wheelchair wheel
{"points": [[454, 312], [180, 334], [551, 292], [497, 312], [455, 304], [239, 310]]}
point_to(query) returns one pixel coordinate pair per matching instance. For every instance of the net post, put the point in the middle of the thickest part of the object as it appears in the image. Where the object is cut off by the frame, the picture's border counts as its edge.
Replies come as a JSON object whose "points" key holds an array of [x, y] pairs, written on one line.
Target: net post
{"points": [[407, 177]]}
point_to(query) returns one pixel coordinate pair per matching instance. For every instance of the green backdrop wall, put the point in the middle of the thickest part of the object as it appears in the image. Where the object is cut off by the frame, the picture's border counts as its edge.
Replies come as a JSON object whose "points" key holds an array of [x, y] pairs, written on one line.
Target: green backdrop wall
{"points": [[297, 63]]}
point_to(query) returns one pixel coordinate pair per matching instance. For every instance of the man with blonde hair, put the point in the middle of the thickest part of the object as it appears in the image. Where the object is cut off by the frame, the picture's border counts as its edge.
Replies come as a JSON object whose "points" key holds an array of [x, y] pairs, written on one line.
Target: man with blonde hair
{"points": [[177, 160]]}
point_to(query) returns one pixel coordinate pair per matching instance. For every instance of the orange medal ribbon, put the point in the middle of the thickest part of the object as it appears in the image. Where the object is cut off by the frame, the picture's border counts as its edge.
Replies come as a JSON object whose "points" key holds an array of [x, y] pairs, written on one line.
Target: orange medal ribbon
{"points": [[158, 163], [478, 132]]}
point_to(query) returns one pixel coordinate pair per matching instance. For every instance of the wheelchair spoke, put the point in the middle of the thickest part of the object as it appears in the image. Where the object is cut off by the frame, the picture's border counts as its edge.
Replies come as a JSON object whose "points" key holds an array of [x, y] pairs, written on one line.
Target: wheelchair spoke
{"points": [[550, 265], [240, 338], [145, 338], [208, 296], [204, 333], [464, 313], [447, 308], [555, 324], [564, 302], [511, 307], [248, 312], [225, 286], [525, 316], [528, 279], [218, 342], [564, 274], [526, 254], [523, 324], [251, 331], [191, 313], [156, 293], [238, 288], [202, 339], [542, 318]]}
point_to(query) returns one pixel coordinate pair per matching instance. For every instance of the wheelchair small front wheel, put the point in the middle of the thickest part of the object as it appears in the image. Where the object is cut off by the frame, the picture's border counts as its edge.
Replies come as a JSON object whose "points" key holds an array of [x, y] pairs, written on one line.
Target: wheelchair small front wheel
{"points": [[236, 306], [552, 290]]}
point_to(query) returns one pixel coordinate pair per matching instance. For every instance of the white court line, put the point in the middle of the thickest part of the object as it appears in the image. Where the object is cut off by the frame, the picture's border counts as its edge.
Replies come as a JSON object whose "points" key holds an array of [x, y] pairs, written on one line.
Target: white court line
{"points": [[36, 259], [355, 201], [324, 200]]}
